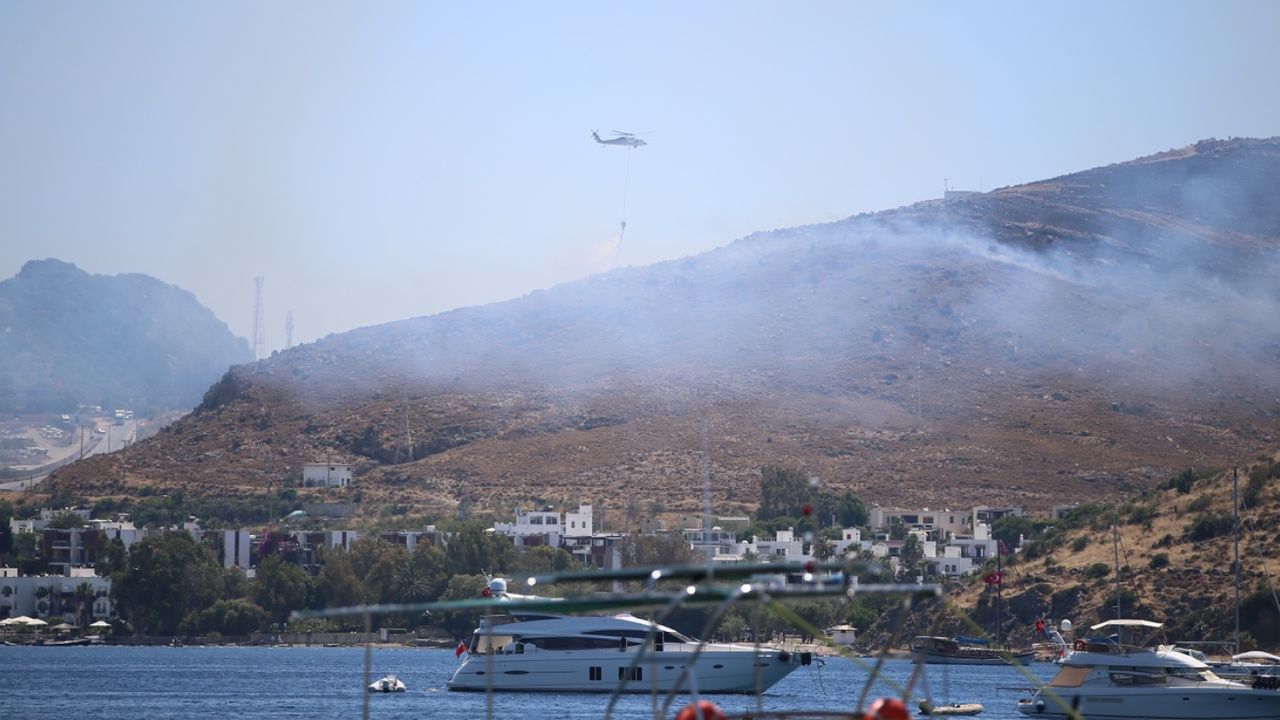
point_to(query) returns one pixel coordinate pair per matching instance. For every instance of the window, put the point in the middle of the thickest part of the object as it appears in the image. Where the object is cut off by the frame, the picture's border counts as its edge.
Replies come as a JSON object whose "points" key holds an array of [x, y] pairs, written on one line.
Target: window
{"points": [[576, 643], [595, 673], [636, 673]]}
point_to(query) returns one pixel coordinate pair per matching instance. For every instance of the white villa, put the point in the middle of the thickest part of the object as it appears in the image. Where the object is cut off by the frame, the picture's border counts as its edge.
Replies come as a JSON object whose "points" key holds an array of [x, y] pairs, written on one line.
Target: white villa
{"points": [[326, 475]]}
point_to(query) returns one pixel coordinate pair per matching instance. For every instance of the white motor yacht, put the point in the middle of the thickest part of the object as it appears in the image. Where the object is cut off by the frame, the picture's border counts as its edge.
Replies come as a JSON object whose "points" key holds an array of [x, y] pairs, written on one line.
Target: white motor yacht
{"points": [[1107, 679], [530, 652]]}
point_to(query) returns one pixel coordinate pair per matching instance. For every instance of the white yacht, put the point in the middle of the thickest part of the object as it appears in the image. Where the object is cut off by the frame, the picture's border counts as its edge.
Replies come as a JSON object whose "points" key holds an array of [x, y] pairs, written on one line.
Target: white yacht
{"points": [[530, 652], [1108, 679]]}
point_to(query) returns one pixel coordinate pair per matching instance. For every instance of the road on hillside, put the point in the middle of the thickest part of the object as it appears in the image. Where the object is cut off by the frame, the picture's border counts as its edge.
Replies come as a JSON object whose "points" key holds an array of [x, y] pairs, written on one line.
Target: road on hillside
{"points": [[116, 437]]}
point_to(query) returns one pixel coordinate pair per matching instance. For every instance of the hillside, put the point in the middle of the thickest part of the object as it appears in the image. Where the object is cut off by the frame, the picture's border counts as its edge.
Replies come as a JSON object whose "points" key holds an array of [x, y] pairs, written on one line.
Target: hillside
{"points": [[1079, 338], [69, 338], [1175, 549]]}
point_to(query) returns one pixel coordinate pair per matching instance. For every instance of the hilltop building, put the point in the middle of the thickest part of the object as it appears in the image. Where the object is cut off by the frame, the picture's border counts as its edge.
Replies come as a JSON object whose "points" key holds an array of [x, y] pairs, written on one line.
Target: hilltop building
{"points": [[326, 475]]}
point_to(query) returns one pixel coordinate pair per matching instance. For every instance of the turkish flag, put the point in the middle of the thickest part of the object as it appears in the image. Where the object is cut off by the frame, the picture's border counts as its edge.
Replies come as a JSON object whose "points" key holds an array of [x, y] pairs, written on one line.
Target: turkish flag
{"points": [[462, 647]]}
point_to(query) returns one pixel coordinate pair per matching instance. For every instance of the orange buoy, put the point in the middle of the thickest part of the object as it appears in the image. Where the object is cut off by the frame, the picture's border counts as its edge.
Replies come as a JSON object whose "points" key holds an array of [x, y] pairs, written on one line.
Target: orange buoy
{"points": [[887, 709], [701, 710]]}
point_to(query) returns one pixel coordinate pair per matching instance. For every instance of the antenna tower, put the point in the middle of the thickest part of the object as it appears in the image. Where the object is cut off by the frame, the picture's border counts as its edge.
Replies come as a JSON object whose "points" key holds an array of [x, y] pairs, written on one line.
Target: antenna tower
{"points": [[288, 330], [259, 329]]}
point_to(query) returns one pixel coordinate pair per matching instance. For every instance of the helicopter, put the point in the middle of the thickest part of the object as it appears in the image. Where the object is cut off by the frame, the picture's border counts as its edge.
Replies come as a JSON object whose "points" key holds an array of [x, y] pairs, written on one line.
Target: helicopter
{"points": [[625, 139]]}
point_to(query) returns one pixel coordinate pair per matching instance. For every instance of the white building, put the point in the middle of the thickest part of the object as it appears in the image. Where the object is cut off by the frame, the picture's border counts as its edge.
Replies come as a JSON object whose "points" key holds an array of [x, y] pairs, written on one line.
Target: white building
{"points": [[54, 596], [711, 542], [326, 475], [785, 546], [577, 524], [123, 530], [539, 527], [944, 521], [233, 551]]}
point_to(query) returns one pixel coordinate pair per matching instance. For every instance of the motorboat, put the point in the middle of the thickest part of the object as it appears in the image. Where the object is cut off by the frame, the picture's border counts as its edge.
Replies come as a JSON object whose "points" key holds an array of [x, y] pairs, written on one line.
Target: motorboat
{"points": [[545, 652], [387, 684], [1104, 678], [937, 650], [1251, 668]]}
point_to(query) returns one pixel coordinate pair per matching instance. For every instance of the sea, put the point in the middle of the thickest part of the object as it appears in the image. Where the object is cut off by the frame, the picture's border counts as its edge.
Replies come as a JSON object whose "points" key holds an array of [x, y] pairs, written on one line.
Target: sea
{"points": [[314, 683]]}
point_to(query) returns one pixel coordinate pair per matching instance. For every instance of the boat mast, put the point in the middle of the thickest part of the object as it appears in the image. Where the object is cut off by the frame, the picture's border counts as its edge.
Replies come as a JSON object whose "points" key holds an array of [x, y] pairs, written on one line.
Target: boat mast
{"points": [[1235, 528], [1115, 547]]}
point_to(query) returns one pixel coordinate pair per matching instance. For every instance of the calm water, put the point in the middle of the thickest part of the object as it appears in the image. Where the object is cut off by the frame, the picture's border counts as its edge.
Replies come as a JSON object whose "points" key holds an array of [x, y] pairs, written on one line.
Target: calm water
{"points": [[136, 683]]}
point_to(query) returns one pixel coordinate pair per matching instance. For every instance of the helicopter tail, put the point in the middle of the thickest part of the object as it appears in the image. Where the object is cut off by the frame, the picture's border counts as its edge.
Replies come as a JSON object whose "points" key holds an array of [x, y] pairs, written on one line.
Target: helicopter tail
{"points": [[596, 134]]}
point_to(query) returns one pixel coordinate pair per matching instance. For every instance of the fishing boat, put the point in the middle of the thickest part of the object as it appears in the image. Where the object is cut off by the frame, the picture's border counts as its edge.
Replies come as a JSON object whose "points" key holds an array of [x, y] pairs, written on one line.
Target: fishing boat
{"points": [[546, 652], [1104, 678], [938, 650]]}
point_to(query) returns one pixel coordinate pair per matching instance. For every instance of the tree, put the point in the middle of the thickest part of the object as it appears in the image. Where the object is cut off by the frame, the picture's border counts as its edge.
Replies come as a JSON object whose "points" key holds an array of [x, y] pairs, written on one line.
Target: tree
{"points": [[112, 557], [851, 511], [472, 550], [379, 584], [897, 530], [1009, 529], [235, 584], [912, 553], [337, 582], [228, 617], [280, 588], [84, 596], [782, 492], [65, 520], [541, 559], [643, 550], [460, 623], [823, 548], [25, 556], [166, 578], [6, 534]]}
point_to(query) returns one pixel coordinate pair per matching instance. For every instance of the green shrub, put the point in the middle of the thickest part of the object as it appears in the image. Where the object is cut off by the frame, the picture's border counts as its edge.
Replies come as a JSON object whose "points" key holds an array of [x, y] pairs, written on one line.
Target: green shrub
{"points": [[1159, 560], [1097, 570], [1080, 543], [1200, 504], [1208, 526]]}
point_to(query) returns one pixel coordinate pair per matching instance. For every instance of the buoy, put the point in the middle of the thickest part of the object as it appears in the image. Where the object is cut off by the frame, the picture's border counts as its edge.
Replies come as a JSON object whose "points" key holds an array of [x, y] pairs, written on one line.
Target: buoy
{"points": [[701, 710], [887, 709]]}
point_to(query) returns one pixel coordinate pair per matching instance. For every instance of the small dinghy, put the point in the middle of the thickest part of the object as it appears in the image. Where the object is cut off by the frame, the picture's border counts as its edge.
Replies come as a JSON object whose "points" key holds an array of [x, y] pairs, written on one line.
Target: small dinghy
{"points": [[928, 708], [388, 684]]}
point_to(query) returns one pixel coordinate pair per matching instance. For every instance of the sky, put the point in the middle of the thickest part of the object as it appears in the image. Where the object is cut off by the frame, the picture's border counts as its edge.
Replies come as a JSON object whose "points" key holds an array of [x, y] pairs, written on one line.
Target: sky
{"points": [[384, 160]]}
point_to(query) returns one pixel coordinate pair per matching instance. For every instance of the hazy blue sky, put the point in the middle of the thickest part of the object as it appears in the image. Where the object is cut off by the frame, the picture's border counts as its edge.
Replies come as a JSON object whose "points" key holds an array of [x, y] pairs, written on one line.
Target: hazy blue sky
{"points": [[376, 161]]}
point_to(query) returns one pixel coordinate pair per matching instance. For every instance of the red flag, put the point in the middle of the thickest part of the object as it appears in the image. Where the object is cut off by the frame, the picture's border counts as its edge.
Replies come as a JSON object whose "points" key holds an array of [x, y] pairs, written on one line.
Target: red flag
{"points": [[486, 593], [993, 578], [462, 647]]}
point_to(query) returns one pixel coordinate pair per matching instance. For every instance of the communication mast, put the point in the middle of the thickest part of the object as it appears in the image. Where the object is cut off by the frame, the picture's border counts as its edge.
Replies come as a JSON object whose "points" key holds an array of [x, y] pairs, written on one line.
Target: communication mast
{"points": [[259, 327], [288, 330]]}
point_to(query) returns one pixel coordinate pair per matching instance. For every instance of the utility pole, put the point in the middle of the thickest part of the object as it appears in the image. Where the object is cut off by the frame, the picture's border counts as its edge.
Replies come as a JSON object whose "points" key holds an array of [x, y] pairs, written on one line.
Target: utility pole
{"points": [[259, 331], [1235, 514], [288, 330]]}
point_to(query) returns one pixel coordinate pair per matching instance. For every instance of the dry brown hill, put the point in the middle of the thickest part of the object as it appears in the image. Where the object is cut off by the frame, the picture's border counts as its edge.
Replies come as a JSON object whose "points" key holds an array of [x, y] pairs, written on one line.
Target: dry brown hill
{"points": [[1079, 338], [1175, 549]]}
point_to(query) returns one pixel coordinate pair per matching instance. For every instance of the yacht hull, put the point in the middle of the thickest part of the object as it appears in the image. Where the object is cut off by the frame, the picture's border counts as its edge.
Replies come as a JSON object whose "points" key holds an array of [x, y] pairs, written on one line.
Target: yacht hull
{"points": [[1190, 703], [604, 671]]}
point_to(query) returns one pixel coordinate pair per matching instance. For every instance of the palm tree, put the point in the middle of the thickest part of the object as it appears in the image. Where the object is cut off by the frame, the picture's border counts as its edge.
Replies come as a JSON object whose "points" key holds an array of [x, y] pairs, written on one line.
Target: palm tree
{"points": [[84, 596]]}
